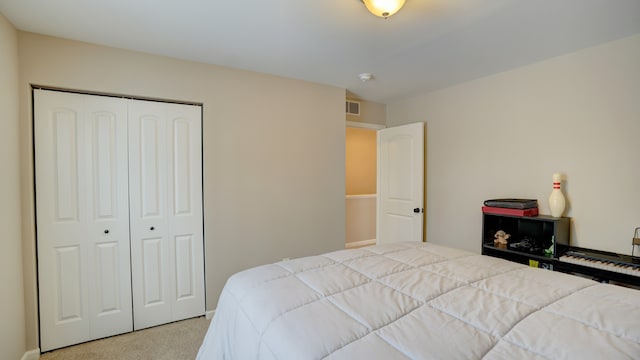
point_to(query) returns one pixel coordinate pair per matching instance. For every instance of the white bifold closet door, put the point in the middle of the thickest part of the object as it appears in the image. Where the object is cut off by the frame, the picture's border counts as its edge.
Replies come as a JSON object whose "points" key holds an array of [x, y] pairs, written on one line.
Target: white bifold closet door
{"points": [[119, 215], [165, 179], [82, 217]]}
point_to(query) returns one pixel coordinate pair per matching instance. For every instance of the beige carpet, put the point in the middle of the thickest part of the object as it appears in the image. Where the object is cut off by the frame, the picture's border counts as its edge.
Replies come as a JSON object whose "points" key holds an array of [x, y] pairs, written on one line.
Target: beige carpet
{"points": [[175, 341]]}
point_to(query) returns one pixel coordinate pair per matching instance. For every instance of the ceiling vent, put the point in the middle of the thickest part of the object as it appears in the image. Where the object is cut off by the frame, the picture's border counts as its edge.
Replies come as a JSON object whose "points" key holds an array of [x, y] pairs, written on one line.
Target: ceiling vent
{"points": [[353, 108]]}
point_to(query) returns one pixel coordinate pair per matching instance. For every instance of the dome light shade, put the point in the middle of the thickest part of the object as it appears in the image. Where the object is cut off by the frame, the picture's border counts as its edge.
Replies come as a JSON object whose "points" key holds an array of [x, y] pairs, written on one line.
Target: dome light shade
{"points": [[383, 8]]}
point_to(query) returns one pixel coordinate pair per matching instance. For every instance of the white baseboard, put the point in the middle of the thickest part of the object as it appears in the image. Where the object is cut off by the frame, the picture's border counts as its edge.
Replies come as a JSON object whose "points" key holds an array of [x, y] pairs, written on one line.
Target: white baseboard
{"points": [[361, 243], [363, 196], [31, 355], [209, 314]]}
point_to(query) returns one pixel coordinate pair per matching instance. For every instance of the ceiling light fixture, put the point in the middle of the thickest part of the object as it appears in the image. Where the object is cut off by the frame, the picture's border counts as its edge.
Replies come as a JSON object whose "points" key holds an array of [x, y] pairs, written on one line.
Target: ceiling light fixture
{"points": [[383, 8]]}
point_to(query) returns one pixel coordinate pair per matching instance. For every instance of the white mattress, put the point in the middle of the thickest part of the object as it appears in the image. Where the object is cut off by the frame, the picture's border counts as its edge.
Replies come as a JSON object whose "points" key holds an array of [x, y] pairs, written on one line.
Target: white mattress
{"points": [[419, 301]]}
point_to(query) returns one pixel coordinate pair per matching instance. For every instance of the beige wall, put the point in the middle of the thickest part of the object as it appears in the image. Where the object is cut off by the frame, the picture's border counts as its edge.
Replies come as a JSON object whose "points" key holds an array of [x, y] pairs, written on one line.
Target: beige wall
{"points": [[361, 161], [360, 212], [506, 134], [12, 329], [370, 112], [274, 177]]}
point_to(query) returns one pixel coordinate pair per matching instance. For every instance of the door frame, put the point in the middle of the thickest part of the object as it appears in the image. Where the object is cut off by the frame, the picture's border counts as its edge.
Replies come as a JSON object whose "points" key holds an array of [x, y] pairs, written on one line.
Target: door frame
{"points": [[364, 125]]}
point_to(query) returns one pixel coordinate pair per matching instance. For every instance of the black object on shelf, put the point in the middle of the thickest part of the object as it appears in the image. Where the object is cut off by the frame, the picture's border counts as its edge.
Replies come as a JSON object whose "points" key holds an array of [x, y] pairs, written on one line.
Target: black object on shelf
{"points": [[512, 203]]}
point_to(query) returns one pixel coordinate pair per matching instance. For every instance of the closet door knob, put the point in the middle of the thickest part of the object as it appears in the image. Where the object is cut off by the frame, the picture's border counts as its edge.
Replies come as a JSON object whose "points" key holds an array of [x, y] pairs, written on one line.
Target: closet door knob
{"points": [[106, 231], [152, 228]]}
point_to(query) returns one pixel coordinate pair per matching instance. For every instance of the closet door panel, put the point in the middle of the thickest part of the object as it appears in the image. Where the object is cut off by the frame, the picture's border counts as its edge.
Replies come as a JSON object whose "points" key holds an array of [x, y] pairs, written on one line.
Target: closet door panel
{"points": [[63, 289], [184, 267], [75, 255], [65, 163], [148, 218], [182, 176], [105, 151], [69, 288], [150, 140], [186, 223], [152, 264], [108, 291], [166, 196], [108, 205]]}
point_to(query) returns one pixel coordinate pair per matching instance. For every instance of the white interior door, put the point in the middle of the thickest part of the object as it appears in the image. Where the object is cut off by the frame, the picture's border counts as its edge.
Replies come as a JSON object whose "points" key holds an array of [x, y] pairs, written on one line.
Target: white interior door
{"points": [[166, 212], [400, 210], [82, 217]]}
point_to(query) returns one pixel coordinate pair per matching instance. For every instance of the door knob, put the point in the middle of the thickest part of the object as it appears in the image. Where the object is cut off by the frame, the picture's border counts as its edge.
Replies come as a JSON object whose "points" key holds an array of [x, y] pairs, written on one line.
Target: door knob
{"points": [[106, 231], [416, 210], [152, 228]]}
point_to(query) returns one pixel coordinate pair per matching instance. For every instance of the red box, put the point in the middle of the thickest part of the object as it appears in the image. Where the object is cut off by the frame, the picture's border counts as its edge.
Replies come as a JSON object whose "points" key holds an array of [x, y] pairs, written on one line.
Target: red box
{"points": [[507, 211]]}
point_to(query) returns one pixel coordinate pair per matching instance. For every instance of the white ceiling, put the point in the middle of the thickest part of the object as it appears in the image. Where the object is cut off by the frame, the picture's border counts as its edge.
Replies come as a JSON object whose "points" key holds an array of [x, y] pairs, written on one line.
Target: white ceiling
{"points": [[428, 45]]}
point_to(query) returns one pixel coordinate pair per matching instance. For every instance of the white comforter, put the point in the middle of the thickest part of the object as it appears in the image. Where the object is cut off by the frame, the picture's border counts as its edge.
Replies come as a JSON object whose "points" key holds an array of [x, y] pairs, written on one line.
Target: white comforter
{"points": [[419, 301]]}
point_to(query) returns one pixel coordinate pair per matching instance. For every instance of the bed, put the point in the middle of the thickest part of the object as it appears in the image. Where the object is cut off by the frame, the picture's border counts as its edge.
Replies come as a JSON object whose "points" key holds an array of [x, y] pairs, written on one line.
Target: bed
{"points": [[419, 301]]}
